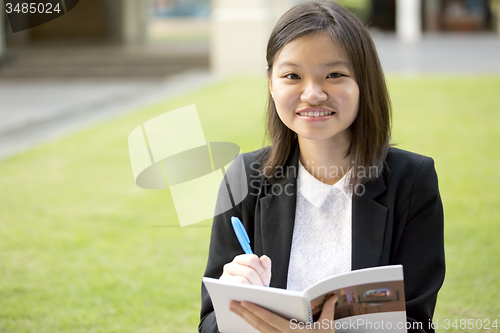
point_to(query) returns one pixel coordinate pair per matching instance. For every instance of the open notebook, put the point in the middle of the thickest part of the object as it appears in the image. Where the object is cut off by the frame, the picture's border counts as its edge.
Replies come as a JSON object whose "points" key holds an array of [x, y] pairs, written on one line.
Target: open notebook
{"points": [[370, 300]]}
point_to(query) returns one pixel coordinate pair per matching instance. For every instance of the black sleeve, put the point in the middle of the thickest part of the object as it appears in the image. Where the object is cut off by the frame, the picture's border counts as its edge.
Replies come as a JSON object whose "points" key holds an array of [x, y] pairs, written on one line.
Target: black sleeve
{"points": [[224, 245], [223, 248], [421, 247]]}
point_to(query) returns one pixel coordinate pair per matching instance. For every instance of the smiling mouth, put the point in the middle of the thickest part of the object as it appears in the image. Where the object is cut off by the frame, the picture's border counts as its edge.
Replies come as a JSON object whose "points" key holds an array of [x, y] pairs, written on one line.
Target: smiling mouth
{"points": [[315, 113]]}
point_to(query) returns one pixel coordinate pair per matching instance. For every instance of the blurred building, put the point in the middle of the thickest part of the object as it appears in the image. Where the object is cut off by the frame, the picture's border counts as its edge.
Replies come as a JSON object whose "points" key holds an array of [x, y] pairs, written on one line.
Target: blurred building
{"points": [[235, 32], [116, 21], [181, 8], [438, 15], [98, 39]]}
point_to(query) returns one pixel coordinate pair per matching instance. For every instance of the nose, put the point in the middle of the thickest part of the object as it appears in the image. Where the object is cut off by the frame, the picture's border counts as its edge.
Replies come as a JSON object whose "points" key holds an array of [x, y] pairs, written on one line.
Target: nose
{"points": [[313, 94]]}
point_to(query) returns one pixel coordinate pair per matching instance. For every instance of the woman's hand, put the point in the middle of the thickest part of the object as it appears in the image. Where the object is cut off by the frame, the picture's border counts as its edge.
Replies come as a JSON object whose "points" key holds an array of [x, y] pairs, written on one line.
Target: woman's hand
{"points": [[249, 269], [267, 322]]}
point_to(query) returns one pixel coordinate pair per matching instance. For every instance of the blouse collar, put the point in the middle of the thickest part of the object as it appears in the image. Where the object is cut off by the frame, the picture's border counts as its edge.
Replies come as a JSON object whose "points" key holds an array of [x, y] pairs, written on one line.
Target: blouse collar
{"points": [[315, 191]]}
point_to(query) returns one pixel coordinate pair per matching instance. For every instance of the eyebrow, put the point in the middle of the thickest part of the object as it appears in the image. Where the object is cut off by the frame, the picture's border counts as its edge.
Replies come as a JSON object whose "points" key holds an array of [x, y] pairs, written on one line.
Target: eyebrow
{"points": [[330, 64]]}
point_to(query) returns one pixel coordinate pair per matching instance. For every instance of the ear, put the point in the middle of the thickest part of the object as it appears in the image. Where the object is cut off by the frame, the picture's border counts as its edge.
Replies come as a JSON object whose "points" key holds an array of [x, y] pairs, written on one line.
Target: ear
{"points": [[270, 81]]}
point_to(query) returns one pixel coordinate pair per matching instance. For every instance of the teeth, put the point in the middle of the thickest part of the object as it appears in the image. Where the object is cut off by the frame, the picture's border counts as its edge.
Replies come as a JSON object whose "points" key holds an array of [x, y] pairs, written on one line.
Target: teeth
{"points": [[315, 113]]}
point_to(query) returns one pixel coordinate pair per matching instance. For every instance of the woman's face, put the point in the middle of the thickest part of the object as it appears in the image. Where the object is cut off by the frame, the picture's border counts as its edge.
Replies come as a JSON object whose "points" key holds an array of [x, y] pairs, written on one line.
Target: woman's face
{"points": [[314, 89]]}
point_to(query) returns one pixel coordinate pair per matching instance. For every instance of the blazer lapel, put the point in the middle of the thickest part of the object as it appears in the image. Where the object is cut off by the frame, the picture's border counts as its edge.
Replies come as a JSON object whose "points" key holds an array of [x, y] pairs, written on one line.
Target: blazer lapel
{"points": [[277, 217], [368, 225]]}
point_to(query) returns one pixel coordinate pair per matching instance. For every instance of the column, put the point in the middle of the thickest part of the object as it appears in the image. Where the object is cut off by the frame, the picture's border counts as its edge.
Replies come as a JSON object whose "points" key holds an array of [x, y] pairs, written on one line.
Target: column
{"points": [[134, 21], [432, 12], [239, 34], [408, 20]]}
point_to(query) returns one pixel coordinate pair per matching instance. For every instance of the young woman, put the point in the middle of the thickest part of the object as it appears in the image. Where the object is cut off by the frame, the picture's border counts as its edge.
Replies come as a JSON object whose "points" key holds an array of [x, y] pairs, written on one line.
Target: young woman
{"points": [[329, 195]]}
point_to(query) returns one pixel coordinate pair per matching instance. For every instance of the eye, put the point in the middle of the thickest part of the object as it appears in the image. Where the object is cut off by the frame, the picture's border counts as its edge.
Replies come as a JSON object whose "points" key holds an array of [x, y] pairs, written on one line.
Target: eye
{"points": [[334, 76], [292, 76]]}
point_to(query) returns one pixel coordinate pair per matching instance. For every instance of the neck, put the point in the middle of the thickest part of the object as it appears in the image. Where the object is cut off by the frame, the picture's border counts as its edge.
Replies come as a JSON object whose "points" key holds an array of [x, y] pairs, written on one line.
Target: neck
{"points": [[326, 160]]}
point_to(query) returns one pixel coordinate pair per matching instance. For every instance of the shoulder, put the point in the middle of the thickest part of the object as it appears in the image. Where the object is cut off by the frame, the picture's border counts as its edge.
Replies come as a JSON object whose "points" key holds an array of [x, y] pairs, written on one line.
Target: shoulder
{"points": [[407, 173], [256, 157], [401, 162], [250, 162], [243, 175]]}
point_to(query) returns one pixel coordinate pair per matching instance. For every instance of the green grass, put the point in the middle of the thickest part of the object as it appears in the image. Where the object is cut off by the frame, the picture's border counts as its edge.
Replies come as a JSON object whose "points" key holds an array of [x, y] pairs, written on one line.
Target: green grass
{"points": [[83, 249], [455, 120]]}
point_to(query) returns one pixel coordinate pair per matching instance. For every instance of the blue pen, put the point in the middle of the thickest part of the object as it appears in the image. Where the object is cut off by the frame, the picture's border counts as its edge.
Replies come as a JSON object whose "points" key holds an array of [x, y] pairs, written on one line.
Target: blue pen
{"points": [[241, 234]]}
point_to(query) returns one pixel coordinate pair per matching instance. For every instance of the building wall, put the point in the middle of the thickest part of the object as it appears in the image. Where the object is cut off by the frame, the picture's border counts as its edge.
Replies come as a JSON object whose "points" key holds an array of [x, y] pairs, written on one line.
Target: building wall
{"points": [[115, 21], [88, 20]]}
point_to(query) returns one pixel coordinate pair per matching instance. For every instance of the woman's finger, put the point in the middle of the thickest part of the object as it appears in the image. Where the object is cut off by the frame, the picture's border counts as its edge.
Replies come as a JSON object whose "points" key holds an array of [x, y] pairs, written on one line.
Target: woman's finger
{"points": [[248, 313], [277, 322], [236, 269], [234, 278], [266, 263], [328, 311], [252, 261]]}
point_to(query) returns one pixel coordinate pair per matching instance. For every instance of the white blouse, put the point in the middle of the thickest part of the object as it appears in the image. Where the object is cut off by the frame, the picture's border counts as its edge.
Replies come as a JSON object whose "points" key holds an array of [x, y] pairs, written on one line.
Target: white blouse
{"points": [[321, 243]]}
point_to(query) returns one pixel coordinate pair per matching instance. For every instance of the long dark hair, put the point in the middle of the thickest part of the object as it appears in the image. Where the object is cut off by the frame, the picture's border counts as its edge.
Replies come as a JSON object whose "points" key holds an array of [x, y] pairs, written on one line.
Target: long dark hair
{"points": [[372, 127]]}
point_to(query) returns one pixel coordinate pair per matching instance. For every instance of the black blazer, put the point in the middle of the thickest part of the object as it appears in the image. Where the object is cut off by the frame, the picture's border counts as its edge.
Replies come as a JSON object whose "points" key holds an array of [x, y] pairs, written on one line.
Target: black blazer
{"points": [[398, 220]]}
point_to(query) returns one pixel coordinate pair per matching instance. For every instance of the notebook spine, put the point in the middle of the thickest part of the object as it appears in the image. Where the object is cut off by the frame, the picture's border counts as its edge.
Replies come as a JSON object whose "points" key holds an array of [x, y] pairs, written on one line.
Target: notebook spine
{"points": [[308, 309]]}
